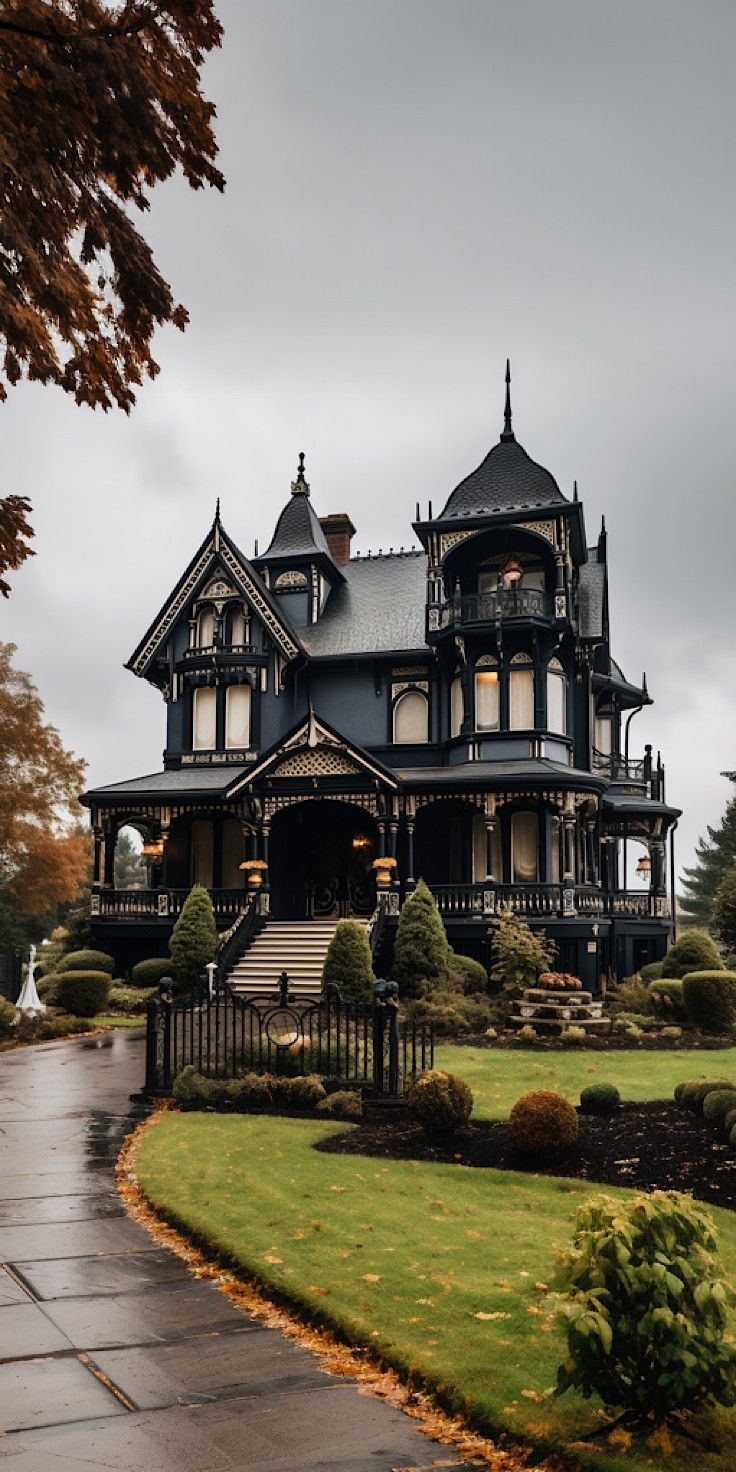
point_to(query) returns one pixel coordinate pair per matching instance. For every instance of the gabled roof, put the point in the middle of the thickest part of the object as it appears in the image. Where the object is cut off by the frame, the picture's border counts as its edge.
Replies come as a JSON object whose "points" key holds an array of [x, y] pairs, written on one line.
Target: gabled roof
{"points": [[216, 553], [326, 747], [379, 609]]}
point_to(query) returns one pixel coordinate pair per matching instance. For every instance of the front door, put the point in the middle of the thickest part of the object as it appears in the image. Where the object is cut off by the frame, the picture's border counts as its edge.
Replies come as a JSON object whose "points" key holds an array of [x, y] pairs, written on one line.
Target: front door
{"points": [[321, 861]]}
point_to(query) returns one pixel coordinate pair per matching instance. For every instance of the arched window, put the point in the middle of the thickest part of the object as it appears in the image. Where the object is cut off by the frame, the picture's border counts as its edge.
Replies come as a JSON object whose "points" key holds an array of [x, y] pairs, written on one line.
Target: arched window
{"points": [[202, 853], [487, 708], [206, 629], [232, 854], [411, 717], [237, 716], [524, 848], [556, 698], [204, 718], [480, 851], [521, 693], [456, 706], [237, 628]]}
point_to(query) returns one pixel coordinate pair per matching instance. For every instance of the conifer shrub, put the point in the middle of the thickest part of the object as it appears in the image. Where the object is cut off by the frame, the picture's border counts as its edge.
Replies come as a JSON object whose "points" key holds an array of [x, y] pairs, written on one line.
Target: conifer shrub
{"points": [[599, 1099], [421, 952], [717, 1104], [193, 940], [665, 998], [348, 963], [152, 971], [86, 961], [440, 1102], [471, 975], [694, 951], [343, 1104], [519, 953], [83, 993], [543, 1121], [644, 1306], [710, 999]]}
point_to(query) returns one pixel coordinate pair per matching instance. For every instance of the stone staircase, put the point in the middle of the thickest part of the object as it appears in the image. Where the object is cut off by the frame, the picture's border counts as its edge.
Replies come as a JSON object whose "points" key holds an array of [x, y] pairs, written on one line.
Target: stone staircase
{"points": [[298, 947]]}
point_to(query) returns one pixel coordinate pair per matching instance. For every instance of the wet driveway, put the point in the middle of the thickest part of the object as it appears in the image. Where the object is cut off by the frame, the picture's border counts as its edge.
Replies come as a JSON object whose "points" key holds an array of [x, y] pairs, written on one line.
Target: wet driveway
{"points": [[111, 1354]]}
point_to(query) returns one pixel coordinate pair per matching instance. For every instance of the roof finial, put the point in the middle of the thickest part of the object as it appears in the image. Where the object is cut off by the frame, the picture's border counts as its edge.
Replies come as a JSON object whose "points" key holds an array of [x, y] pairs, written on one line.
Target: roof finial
{"points": [[217, 510], [574, 490], [508, 433], [299, 486]]}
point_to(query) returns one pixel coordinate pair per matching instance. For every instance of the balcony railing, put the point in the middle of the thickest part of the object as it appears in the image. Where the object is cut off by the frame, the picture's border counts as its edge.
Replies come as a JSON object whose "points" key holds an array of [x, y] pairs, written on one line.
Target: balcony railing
{"points": [[552, 900], [619, 769], [161, 904], [501, 603]]}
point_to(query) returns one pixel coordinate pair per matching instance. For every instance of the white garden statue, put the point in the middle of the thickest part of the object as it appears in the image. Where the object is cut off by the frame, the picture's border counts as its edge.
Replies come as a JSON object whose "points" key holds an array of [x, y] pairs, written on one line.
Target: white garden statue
{"points": [[29, 1003]]}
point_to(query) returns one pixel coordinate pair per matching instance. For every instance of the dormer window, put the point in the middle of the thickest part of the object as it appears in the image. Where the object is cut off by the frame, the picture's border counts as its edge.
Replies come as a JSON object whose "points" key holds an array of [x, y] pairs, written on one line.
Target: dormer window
{"points": [[411, 718], [206, 629], [556, 698], [487, 690], [237, 628], [521, 693]]}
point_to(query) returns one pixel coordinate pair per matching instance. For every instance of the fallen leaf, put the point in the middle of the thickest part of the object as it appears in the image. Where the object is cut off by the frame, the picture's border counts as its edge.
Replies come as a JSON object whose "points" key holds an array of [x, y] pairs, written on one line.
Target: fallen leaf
{"points": [[371, 1277], [497, 1315]]}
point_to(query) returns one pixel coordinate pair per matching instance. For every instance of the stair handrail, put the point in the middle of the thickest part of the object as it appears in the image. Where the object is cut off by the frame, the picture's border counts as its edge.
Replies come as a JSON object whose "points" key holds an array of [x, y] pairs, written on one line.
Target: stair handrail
{"points": [[233, 941], [377, 926]]}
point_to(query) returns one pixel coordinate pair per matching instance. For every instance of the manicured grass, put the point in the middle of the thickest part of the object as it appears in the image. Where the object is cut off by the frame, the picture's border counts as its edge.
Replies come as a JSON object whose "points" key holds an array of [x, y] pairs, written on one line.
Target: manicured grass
{"points": [[114, 1019], [438, 1267], [497, 1076]]}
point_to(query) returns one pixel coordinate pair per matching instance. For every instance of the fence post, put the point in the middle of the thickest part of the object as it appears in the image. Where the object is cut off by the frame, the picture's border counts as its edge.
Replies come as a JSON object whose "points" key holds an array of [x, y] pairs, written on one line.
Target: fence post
{"points": [[166, 995], [379, 1022], [152, 1015], [392, 1017]]}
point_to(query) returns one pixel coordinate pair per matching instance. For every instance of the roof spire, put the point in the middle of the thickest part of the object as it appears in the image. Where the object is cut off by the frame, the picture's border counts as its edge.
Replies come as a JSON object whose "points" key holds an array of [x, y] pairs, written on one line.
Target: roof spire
{"points": [[508, 433], [574, 490], [217, 510], [299, 486]]}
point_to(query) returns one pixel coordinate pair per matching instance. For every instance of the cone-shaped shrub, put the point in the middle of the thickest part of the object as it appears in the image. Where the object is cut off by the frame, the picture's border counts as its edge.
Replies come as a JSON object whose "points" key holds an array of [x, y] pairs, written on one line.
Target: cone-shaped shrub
{"points": [[421, 952], [348, 964], [194, 939]]}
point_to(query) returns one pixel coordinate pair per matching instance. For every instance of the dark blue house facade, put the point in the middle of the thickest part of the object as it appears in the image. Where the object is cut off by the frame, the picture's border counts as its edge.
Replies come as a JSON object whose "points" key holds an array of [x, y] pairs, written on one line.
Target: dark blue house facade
{"points": [[455, 709]]}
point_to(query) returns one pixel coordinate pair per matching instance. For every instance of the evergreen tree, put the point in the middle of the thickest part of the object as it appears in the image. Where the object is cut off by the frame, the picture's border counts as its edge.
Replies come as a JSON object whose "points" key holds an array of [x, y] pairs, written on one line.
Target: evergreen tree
{"points": [[194, 939], [421, 951], [130, 866], [714, 857], [348, 964], [519, 953], [724, 911]]}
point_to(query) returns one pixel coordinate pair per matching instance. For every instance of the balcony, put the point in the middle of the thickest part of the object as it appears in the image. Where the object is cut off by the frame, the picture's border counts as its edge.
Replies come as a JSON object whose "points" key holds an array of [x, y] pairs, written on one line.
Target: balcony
{"points": [[545, 901], [639, 775], [485, 608]]}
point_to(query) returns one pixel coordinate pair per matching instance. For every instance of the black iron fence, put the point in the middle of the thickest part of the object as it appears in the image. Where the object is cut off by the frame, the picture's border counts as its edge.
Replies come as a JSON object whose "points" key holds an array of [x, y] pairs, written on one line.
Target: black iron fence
{"points": [[359, 1045]]}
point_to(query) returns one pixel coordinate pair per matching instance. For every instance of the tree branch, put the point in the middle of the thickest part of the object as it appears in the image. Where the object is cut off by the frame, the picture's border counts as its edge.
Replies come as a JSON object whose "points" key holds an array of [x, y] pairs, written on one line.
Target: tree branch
{"points": [[52, 37]]}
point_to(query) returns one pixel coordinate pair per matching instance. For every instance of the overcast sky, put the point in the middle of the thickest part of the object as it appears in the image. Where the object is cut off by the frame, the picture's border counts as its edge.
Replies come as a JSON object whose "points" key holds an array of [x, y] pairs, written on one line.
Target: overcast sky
{"points": [[416, 190]]}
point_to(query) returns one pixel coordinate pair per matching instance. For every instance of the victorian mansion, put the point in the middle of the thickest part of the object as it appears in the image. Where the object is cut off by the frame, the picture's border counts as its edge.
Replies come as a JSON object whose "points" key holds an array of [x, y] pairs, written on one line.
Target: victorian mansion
{"points": [[454, 708]]}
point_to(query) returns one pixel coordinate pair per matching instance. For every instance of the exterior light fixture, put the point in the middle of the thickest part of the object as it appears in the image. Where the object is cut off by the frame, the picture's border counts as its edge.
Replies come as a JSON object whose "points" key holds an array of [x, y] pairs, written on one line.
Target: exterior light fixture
{"points": [[512, 573], [644, 866], [361, 840], [153, 848]]}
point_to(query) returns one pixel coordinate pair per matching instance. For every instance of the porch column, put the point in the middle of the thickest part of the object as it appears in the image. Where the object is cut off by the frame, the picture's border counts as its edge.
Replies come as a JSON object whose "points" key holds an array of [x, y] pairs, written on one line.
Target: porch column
{"points": [[381, 838], [97, 868], [109, 859], [491, 821], [590, 864], [657, 879], [265, 835], [393, 829], [410, 880]]}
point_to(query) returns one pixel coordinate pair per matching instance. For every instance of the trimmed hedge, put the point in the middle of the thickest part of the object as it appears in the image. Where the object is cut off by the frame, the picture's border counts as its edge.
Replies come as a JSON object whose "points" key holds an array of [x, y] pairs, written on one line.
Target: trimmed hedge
{"points": [[600, 1099], [710, 999], [440, 1102], [87, 961], [130, 998], [152, 971], [253, 1093], [693, 1091], [472, 977], [83, 993], [694, 951], [717, 1104], [344, 1104], [651, 972], [543, 1121], [666, 998]]}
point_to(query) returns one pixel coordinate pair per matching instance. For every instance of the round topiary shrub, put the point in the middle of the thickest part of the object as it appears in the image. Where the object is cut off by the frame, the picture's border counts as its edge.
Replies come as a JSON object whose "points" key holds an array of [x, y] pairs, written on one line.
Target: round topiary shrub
{"points": [[83, 993], [348, 963], [87, 961], [543, 1121], [473, 977], [151, 971], [694, 951], [717, 1104], [730, 1120], [697, 1091], [651, 972], [710, 999], [440, 1102], [600, 1099]]}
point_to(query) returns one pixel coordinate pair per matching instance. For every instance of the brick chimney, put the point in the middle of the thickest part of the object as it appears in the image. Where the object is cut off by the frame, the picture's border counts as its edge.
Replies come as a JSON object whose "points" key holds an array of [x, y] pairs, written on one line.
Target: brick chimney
{"points": [[338, 530]]}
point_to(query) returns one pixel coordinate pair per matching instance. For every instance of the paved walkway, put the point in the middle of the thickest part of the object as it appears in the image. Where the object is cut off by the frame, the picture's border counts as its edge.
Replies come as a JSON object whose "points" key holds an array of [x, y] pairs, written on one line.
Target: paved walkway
{"points": [[111, 1354]]}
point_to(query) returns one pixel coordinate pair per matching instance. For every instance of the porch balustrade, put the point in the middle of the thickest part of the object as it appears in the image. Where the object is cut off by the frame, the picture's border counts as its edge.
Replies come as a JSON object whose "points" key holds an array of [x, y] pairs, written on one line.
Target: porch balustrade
{"points": [[142, 904]]}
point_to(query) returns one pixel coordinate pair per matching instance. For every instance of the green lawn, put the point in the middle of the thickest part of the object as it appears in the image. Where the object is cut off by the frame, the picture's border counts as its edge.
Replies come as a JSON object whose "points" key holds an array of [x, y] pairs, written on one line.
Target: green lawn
{"points": [[498, 1076], [438, 1267], [114, 1019]]}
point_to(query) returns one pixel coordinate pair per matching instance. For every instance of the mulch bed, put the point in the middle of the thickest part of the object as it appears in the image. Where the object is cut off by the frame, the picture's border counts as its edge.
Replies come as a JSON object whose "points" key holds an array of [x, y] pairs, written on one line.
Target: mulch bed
{"points": [[655, 1146], [650, 1041]]}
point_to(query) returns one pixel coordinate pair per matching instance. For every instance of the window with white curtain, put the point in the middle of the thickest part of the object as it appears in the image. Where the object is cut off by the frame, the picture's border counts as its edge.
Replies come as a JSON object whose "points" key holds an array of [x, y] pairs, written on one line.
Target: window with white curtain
{"points": [[204, 719], [480, 850], [202, 850], [456, 706], [525, 848], [411, 717], [556, 698], [521, 694], [602, 735], [237, 627], [232, 855], [206, 628], [487, 706], [237, 716]]}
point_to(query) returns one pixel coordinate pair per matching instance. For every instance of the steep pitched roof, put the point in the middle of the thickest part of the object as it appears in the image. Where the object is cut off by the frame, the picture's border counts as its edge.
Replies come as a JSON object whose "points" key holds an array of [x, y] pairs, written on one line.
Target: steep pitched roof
{"points": [[592, 597], [290, 756], [217, 552], [298, 532], [379, 609]]}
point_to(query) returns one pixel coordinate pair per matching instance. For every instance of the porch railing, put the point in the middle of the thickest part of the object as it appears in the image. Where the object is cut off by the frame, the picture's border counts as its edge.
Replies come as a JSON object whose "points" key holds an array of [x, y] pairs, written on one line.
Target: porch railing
{"points": [[555, 900], [161, 904]]}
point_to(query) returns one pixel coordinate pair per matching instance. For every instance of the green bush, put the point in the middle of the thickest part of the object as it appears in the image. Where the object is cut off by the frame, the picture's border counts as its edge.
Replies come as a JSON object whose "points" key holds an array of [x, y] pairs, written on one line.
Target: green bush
{"points": [[303, 1092], [193, 940], [252, 1093], [729, 1121], [450, 1012], [693, 1091], [519, 953], [132, 999], [7, 1018], [344, 1104], [710, 999], [421, 952], [46, 1029], [86, 961], [645, 1308], [83, 993], [348, 963], [600, 1099], [717, 1104], [630, 996], [694, 951], [471, 976], [46, 987], [543, 1122], [440, 1102], [651, 972], [152, 971], [666, 999]]}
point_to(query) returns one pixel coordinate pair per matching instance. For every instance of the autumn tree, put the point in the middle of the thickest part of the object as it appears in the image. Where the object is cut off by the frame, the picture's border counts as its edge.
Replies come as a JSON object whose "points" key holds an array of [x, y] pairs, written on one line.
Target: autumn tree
{"points": [[44, 851], [15, 535], [99, 101]]}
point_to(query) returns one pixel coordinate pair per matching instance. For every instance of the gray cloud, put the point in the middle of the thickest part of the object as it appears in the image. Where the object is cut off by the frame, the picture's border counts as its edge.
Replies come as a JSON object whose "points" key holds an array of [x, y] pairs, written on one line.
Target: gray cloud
{"points": [[415, 191]]}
